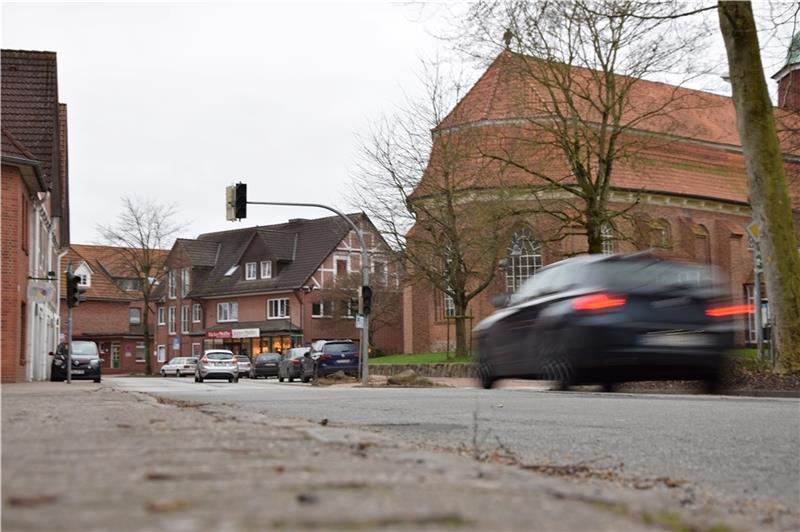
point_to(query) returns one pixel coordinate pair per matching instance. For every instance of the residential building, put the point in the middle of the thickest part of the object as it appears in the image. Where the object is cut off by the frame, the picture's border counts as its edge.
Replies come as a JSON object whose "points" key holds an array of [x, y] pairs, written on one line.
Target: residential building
{"points": [[113, 313], [269, 288], [35, 211], [684, 192]]}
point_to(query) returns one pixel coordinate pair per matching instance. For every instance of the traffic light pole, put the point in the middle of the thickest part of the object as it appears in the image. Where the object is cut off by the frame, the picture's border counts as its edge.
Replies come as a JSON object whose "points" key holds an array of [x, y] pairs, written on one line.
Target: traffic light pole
{"points": [[364, 275], [69, 330]]}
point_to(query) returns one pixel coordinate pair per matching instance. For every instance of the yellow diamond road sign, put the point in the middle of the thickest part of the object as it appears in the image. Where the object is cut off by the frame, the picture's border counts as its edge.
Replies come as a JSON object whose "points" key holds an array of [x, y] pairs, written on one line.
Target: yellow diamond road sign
{"points": [[754, 230]]}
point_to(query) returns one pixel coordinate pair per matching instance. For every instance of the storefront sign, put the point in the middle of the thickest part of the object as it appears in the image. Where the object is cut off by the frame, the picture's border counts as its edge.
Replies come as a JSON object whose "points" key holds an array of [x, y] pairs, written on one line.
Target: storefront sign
{"points": [[246, 333], [221, 335], [40, 291]]}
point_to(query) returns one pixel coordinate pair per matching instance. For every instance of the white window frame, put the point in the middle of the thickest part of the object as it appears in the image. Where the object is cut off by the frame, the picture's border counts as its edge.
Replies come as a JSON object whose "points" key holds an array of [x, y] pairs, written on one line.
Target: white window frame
{"points": [[184, 319], [336, 259], [197, 313], [524, 260], [196, 350], [171, 320], [607, 234], [161, 316], [448, 305], [85, 274], [278, 309], [130, 316], [171, 284], [266, 269], [324, 306], [185, 281], [227, 312], [250, 271], [162, 354]]}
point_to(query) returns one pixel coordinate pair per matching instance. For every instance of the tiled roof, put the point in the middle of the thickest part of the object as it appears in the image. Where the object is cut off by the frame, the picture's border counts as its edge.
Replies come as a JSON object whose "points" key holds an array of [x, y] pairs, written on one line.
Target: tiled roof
{"points": [[697, 153], [14, 148], [106, 265], [299, 245], [202, 254], [30, 105]]}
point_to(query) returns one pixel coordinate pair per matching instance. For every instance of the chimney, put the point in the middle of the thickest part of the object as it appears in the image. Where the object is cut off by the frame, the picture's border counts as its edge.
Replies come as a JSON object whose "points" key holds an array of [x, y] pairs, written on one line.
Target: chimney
{"points": [[788, 78]]}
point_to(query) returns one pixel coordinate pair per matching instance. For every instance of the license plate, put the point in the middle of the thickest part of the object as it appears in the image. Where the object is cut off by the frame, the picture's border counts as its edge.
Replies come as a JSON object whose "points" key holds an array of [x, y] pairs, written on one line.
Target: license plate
{"points": [[343, 361], [270, 365], [676, 340], [78, 372]]}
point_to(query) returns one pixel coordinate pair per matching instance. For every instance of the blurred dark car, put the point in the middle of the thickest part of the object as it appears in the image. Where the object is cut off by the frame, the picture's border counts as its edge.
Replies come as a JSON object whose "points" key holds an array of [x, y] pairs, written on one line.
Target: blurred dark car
{"points": [[330, 356], [85, 362], [296, 364], [265, 365], [607, 319]]}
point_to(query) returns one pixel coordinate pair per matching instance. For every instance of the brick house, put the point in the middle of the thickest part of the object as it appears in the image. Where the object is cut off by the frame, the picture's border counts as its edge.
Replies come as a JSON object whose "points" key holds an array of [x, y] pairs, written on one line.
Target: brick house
{"points": [[689, 187], [269, 288], [35, 211], [112, 313]]}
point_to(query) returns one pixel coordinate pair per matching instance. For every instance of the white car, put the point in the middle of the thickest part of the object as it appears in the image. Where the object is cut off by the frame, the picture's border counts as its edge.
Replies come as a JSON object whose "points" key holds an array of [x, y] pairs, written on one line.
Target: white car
{"points": [[217, 364], [179, 366]]}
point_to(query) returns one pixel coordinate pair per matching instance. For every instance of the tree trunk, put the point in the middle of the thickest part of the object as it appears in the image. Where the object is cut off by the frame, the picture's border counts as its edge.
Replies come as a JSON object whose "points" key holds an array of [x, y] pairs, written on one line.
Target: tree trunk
{"points": [[461, 332], [769, 195], [148, 364]]}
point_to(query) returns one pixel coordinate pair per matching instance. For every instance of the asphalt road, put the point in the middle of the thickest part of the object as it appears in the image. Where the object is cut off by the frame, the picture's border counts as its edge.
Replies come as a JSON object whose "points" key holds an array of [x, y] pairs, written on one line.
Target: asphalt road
{"points": [[737, 450]]}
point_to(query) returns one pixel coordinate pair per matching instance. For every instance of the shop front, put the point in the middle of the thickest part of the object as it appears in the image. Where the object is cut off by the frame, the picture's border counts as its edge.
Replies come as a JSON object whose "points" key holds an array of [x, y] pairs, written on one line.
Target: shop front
{"points": [[254, 339]]}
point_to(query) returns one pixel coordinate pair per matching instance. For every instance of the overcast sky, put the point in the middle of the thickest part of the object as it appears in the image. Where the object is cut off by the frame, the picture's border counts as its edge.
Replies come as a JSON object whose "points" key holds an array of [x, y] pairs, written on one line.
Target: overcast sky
{"points": [[176, 101]]}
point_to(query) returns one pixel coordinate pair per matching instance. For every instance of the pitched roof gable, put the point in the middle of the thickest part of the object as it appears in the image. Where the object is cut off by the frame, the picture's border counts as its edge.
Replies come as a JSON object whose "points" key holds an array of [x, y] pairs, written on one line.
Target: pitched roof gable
{"points": [[301, 244]]}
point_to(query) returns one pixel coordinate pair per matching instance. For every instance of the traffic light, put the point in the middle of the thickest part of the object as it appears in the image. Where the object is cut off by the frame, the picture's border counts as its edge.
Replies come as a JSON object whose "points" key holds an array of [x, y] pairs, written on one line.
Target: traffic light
{"points": [[74, 291], [236, 202], [366, 299]]}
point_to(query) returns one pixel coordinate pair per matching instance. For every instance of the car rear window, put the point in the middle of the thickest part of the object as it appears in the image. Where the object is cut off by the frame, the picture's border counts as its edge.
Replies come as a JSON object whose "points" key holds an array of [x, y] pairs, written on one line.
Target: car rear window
{"points": [[337, 348], [191, 360], [633, 274], [218, 355], [243, 358], [268, 358]]}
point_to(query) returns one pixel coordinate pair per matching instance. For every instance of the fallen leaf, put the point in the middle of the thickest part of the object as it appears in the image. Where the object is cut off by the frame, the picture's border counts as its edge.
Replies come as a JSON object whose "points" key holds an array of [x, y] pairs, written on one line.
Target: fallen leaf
{"points": [[173, 505], [33, 500]]}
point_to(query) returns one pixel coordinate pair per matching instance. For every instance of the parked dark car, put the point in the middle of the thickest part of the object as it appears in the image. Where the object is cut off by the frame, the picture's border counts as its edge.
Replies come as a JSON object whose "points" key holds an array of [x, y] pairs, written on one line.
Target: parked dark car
{"points": [[296, 364], [331, 356], [85, 362], [265, 365], [609, 319]]}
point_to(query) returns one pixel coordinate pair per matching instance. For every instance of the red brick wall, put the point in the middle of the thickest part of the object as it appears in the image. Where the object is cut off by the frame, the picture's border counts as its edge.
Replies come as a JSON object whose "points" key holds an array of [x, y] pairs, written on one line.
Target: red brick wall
{"points": [[14, 274], [789, 91]]}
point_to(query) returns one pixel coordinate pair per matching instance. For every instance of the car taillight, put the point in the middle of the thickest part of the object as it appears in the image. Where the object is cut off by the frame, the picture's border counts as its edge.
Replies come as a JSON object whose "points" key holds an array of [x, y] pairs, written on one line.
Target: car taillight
{"points": [[730, 310], [324, 357], [598, 302], [296, 362], [204, 360]]}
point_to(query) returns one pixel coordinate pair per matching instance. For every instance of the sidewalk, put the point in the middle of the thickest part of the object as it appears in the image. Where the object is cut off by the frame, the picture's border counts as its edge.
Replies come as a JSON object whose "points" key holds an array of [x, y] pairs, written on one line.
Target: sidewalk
{"points": [[91, 457]]}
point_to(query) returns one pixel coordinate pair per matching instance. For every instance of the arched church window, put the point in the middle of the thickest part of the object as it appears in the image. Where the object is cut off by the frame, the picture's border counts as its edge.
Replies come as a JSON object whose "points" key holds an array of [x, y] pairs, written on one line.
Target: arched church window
{"points": [[524, 259]]}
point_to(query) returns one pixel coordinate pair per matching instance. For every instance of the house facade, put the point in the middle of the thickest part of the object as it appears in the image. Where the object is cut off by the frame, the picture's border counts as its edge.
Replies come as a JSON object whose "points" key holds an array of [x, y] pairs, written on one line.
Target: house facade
{"points": [[270, 288], [113, 312], [685, 191], [35, 212]]}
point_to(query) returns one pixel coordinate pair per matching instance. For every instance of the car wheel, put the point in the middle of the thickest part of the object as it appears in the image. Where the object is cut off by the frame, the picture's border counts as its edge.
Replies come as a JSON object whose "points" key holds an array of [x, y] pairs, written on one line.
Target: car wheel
{"points": [[97, 379], [236, 379], [163, 373], [305, 379], [486, 375], [291, 379], [280, 379], [609, 387]]}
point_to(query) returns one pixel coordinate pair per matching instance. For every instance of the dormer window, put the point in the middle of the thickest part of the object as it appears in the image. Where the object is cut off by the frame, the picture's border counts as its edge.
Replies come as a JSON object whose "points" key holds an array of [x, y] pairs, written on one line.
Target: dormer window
{"points": [[85, 274], [266, 269], [250, 271]]}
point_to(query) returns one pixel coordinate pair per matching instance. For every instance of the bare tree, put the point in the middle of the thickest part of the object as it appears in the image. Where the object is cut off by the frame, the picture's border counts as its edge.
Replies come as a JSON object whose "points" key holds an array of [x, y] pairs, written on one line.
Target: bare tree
{"points": [[769, 196], [576, 72], [143, 233], [418, 184]]}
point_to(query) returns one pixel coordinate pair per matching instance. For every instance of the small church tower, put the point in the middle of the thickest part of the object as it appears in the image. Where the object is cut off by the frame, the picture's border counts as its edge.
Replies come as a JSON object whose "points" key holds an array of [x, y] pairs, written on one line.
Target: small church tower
{"points": [[788, 78]]}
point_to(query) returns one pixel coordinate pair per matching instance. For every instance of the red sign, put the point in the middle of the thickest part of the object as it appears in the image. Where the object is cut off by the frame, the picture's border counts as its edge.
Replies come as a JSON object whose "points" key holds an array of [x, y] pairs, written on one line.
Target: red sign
{"points": [[220, 335]]}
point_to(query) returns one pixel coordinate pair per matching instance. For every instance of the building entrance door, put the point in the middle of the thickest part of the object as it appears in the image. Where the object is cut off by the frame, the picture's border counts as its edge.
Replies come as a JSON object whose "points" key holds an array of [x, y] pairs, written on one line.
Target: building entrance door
{"points": [[115, 356]]}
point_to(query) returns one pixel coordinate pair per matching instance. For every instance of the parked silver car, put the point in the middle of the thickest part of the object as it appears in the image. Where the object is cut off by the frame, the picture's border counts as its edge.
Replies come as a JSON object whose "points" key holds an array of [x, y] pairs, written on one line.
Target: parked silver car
{"points": [[217, 364], [244, 365], [179, 366]]}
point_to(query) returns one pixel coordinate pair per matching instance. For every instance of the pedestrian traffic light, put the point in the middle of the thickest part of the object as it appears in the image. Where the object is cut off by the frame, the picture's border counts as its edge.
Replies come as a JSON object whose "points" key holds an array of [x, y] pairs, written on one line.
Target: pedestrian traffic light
{"points": [[74, 291], [366, 299], [236, 202]]}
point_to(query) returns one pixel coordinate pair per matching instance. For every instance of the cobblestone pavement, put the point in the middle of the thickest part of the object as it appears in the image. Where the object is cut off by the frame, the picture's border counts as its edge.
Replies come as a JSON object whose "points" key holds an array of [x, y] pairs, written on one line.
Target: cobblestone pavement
{"points": [[92, 457]]}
